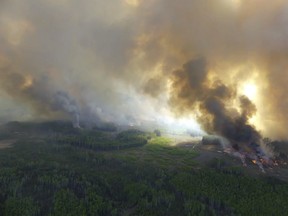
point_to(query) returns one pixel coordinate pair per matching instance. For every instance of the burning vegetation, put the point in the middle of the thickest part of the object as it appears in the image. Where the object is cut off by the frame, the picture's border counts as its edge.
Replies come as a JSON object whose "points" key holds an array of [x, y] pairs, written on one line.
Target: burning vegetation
{"points": [[214, 67], [222, 111], [62, 170]]}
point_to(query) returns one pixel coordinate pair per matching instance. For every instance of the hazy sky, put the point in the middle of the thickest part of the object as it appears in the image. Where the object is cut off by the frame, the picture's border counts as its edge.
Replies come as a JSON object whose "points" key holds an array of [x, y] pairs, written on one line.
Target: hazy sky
{"points": [[116, 60]]}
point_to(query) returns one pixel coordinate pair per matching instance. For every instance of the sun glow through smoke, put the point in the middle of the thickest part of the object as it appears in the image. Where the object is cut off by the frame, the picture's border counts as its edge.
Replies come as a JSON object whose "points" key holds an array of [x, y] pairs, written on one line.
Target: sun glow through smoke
{"points": [[235, 4], [250, 90], [133, 3]]}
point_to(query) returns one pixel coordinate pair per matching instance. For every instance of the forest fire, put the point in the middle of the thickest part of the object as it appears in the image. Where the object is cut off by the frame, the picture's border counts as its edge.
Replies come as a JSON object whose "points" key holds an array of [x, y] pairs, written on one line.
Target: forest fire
{"points": [[249, 154], [262, 160], [107, 102]]}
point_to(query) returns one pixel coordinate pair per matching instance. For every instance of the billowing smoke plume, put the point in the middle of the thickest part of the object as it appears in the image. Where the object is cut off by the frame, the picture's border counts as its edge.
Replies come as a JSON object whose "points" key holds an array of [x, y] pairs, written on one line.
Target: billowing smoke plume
{"points": [[62, 59], [215, 101], [120, 60]]}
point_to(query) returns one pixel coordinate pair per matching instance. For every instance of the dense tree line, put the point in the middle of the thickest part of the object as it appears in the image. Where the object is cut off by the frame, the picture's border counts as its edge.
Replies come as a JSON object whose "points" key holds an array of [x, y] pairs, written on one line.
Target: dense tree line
{"points": [[43, 177], [101, 141]]}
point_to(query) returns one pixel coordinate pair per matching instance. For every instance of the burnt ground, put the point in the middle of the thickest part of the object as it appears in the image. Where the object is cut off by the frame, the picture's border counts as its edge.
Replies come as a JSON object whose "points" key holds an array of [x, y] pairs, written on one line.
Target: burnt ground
{"points": [[169, 174], [208, 155]]}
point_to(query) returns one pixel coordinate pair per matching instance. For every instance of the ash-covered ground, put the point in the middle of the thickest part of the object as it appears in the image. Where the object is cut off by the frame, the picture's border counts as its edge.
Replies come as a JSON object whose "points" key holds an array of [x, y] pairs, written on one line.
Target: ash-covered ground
{"points": [[212, 154]]}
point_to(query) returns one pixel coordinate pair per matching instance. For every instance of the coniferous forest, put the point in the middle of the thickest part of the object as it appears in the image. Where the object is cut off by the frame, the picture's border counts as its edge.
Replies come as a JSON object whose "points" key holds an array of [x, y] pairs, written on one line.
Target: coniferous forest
{"points": [[53, 169]]}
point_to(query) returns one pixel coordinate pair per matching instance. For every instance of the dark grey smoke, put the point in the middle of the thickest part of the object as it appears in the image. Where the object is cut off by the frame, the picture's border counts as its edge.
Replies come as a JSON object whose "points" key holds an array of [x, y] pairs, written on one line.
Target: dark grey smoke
{"points": [[192, 91], [106, 54]]}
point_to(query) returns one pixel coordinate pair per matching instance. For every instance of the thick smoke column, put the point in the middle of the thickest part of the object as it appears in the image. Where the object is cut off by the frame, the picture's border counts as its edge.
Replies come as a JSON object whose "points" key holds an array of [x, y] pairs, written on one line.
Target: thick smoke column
{"points": [[243, 43], [215, 101], [221, 110]]}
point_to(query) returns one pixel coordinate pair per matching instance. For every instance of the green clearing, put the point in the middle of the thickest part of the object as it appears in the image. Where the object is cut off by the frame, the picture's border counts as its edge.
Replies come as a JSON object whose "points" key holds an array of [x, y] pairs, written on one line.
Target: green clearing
{"points": [[44, 175]]}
